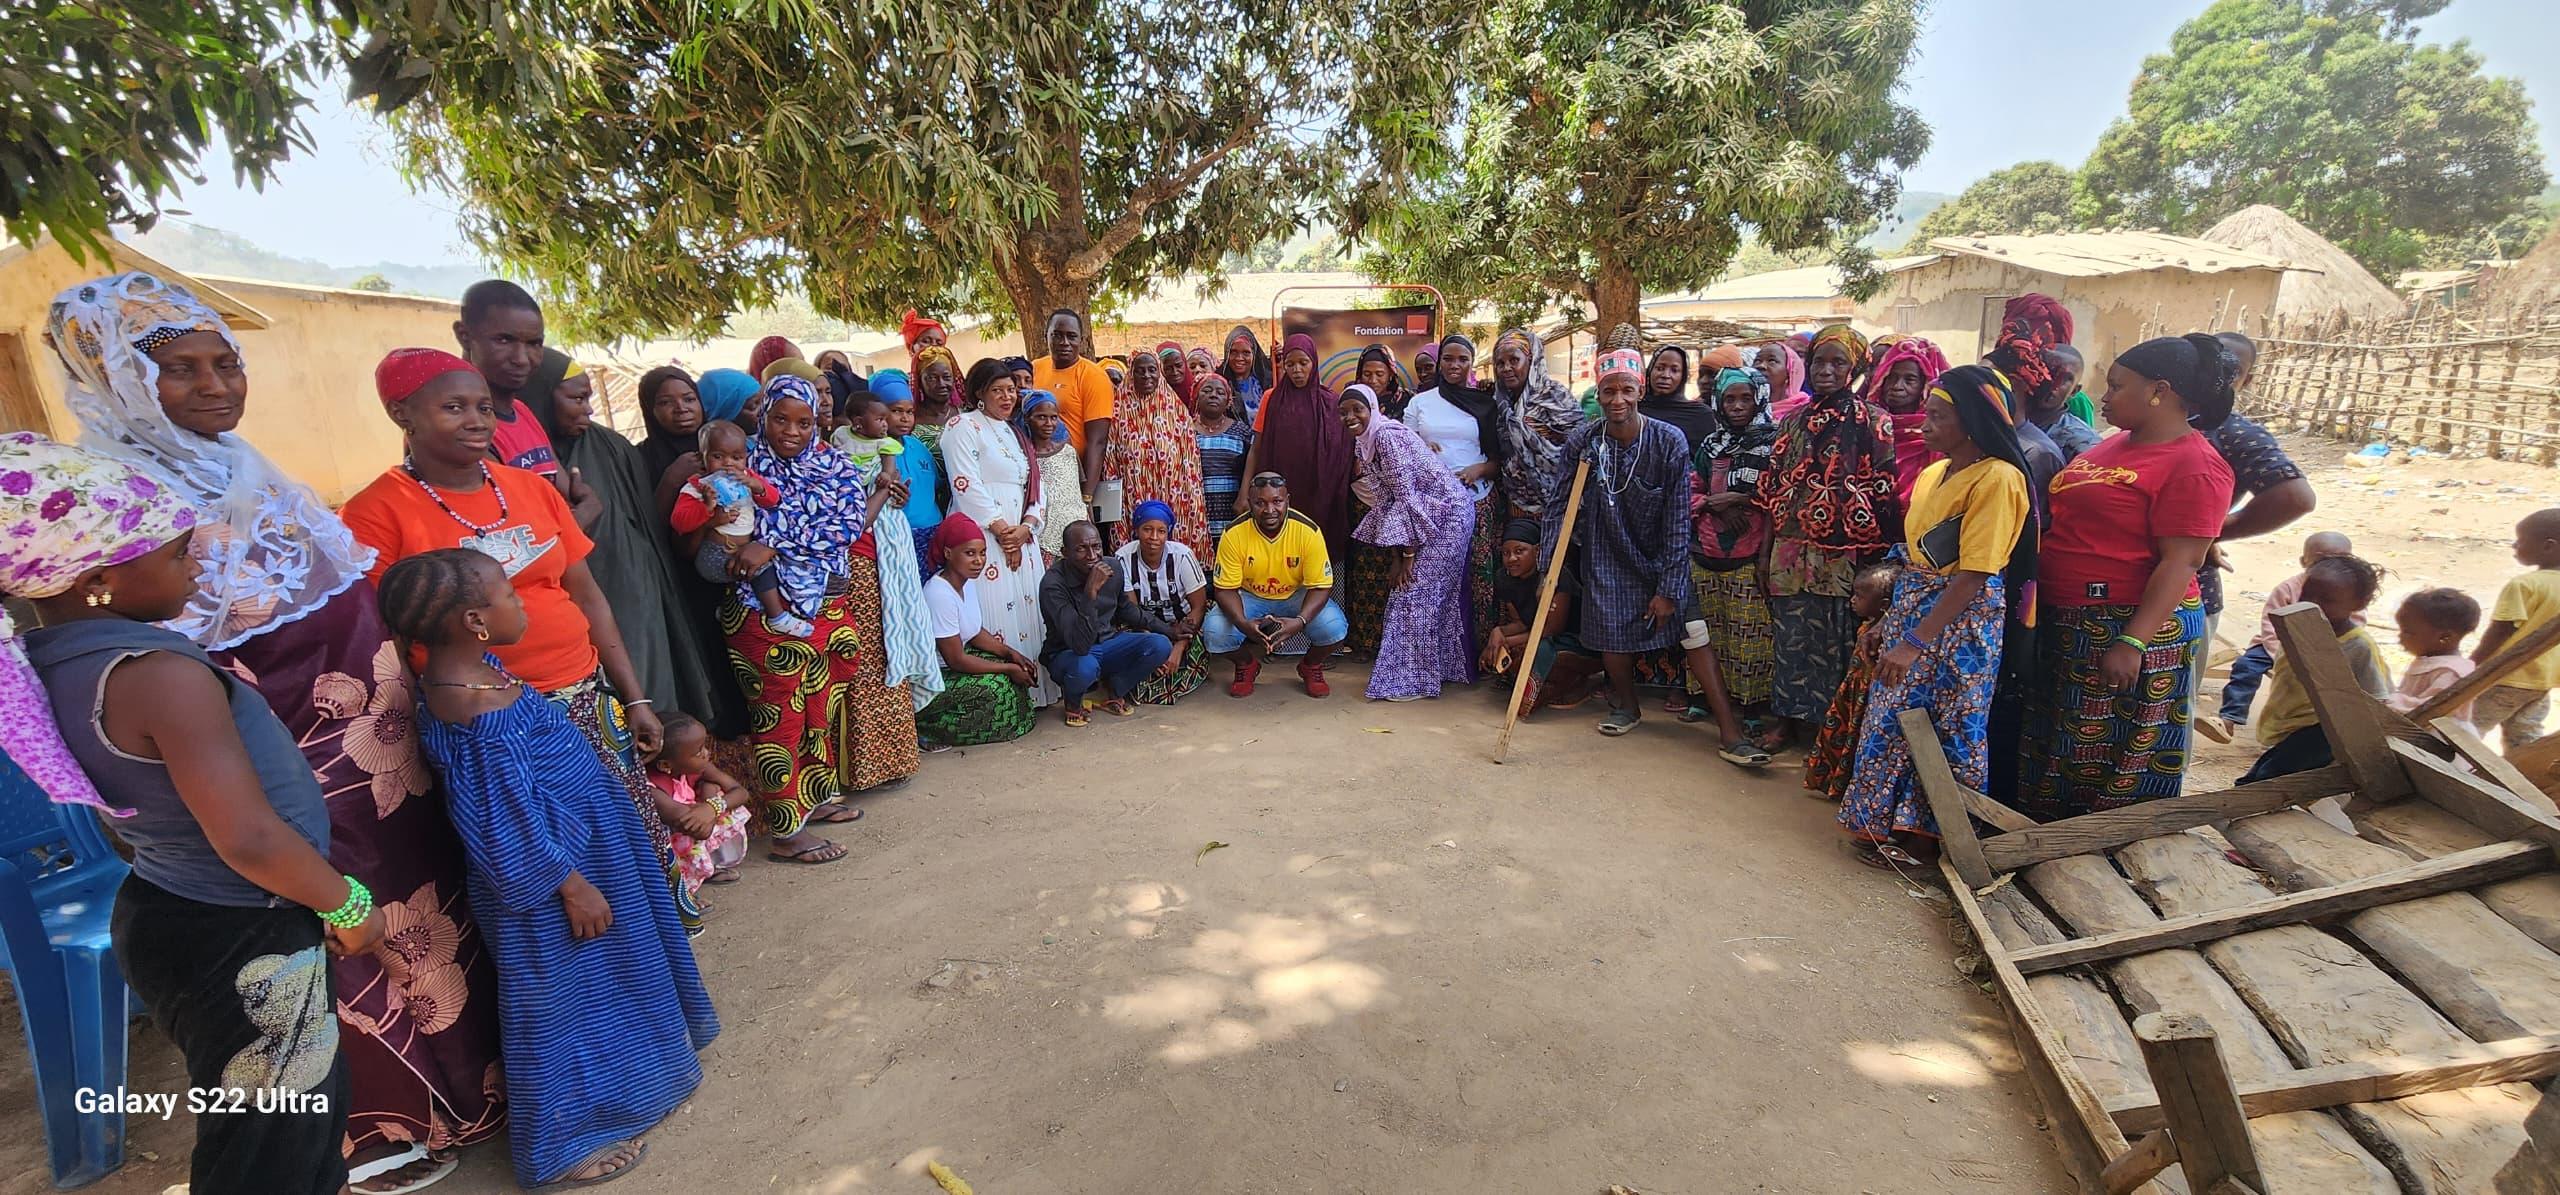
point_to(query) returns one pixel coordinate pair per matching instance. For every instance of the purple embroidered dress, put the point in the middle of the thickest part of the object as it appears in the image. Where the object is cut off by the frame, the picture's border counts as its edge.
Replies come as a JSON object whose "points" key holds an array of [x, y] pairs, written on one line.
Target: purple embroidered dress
{"points": [[1416, 503]]}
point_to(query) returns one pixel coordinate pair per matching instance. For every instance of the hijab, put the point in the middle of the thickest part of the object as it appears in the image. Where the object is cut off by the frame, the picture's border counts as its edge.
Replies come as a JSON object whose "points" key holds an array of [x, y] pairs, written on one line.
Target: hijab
{"points": [[822, 510], [1694, 419], [1364, 447], [1540, 415], [1494, 433], [272, 551], [1984, 405], [1261, 372], [1910, 452], [725, 392], [1785, 396], [1397, 393], [1723, 440], [660, 447], [554, 368]]}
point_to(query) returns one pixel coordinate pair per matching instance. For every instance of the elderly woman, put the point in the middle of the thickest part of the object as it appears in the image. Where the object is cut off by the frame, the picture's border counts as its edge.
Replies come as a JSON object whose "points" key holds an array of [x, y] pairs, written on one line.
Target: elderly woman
{"points": [[936, 381], [986, 695], [1163, 578], [1542, 413], [1728, 566], [1423, 520], [1224, 439], [1298, 434], [797, 753], [1969, 542], [1829, 494], [1784, 368], [1377, 371], [159, 384], [448, 494], [2106, 724], [996, 482], [1156, 453], [1468, 432]]}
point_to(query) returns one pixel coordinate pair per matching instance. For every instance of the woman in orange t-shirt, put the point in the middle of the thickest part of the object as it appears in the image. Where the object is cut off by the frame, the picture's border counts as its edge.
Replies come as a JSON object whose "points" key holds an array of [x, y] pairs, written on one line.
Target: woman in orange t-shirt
{"points": [[449, 494]]}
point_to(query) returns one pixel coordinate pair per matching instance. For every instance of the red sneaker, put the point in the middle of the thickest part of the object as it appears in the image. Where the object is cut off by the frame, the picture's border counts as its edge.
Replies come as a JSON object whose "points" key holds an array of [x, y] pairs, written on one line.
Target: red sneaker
{"points": [[1246, 673], [1313, 674]]}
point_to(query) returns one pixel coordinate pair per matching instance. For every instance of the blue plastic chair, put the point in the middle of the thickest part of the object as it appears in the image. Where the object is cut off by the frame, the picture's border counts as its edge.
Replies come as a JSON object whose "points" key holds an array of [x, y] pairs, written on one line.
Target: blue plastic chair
{"points": [[55, 898]]}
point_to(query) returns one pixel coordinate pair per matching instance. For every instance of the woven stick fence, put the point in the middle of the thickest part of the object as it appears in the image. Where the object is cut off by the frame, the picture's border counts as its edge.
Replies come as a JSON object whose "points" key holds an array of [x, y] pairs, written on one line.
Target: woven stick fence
{"points": [[2450, 380]]}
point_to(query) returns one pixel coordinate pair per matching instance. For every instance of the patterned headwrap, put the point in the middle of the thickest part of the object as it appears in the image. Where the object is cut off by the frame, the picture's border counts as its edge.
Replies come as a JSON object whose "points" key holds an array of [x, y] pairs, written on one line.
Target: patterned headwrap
{"points": [[2030, 324], [724, 393], [786, 385], [1616, 362], [928, 355], [954, 530], [1914, 349], [1201, 356], [1847, 338], [822, 510], [1723, 441], [402, 371], [1983, 405], [271, 549], [769, 350], [1161, 512], [66, 511], [1730, 377]]}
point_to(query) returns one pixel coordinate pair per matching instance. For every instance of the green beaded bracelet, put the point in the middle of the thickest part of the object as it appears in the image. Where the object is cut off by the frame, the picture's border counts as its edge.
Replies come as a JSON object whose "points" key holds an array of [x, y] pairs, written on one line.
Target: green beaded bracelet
{"points": [[358, 907], [2135, 644]]}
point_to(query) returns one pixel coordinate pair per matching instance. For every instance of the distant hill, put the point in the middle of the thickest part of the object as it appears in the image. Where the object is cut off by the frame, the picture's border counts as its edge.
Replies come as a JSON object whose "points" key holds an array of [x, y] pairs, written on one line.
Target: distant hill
{"points": [[201, 250], [1907, 215]]}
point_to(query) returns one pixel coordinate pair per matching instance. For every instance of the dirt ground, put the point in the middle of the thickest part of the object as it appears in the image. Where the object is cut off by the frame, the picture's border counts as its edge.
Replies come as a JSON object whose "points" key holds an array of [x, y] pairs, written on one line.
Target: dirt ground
{"points": [[1409, 969]]}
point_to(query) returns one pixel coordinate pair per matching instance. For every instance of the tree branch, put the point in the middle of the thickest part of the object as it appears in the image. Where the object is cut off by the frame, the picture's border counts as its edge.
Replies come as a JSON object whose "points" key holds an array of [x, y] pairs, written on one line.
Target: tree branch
{"points": [[1089, 262]]}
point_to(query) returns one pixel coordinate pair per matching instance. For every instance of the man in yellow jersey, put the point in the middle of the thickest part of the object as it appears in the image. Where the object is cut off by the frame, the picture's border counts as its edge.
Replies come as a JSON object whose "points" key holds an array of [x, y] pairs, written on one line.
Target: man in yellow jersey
{"points": [[1274, 583]]}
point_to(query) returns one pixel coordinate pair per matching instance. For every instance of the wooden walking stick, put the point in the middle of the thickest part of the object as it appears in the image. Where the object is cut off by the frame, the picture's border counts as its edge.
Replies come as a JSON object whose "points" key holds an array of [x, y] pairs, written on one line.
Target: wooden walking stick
{"points": [[1546, 599]]}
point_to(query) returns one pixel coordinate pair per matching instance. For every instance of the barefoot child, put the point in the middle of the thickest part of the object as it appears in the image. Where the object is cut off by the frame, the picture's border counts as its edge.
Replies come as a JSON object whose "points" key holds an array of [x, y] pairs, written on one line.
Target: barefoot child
{"points": [[2516, 705], [220, 928], [2342, 586], [728, 491], [705, 810], [2433, 624], [1835, 744], [600, 1006]]}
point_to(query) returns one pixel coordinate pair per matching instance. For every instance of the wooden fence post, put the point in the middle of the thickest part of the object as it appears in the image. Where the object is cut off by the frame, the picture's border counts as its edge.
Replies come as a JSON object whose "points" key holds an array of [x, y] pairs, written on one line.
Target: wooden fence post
{"points": [[2206, 1126]]}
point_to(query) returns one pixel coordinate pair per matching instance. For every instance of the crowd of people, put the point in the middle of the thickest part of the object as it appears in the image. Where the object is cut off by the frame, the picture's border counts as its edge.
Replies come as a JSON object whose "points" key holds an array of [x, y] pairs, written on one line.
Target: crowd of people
{"points": [[502, 718]]}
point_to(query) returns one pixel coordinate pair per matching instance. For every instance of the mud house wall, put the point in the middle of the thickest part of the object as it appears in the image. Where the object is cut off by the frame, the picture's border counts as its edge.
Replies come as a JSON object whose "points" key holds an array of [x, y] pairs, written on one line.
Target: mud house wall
{"points": [[1945, 301]]}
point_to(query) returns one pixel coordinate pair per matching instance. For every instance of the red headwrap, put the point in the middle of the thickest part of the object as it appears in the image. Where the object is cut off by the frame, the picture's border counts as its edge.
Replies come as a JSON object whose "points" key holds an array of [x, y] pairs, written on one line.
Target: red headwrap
{"points": [[769, 350], [913, 327], [1914, 349], [954, 530], [404, 370], [2030, 324]]}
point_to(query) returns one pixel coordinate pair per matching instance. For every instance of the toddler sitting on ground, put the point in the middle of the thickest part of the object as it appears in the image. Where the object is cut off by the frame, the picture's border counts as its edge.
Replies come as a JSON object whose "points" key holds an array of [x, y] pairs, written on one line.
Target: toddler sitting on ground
{"points": [[728, 491], [705, 810]]}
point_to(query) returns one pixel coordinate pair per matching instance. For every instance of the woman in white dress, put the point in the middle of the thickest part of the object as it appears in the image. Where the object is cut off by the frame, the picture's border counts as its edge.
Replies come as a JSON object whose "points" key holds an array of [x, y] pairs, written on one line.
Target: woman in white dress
{"points": [[1465, 426], [994, 482]]}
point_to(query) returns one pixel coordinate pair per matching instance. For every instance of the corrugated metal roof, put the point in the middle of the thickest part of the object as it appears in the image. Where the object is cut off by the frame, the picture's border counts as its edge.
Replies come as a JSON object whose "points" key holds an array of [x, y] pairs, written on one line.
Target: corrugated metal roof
{"points": [[2099, 254], [1803, 282]]}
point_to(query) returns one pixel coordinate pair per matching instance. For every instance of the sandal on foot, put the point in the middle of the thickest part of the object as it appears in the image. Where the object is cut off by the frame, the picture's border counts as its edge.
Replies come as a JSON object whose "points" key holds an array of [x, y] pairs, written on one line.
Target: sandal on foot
{"points": [[571, 1184], [1077, 717], [1619, 722], [822, 851], [374, 1177], [1884, 856], [834, 813], [790, 626], [1746, 754], [1120, 708]]}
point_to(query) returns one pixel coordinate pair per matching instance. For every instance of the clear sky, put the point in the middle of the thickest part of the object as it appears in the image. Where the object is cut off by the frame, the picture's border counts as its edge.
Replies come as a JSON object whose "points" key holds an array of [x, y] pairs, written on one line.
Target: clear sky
{"points": [[1999, 81]]}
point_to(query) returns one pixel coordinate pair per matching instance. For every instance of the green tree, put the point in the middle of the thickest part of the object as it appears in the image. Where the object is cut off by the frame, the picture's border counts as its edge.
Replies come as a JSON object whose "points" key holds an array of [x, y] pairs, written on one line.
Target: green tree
{"points": [[1612, 147], [983, 156], [2328, 109], [374, 282], [2029, 197]]}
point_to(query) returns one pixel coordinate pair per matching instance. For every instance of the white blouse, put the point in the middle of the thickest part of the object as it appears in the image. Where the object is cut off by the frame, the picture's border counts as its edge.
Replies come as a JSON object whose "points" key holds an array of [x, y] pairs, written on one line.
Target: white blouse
{"points": [[1452, 434]]}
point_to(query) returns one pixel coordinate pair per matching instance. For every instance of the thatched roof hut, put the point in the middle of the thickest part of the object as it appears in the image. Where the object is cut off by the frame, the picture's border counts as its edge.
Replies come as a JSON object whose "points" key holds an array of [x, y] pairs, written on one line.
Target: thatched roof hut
{"points": [[2323, 280], [2533, 281]]}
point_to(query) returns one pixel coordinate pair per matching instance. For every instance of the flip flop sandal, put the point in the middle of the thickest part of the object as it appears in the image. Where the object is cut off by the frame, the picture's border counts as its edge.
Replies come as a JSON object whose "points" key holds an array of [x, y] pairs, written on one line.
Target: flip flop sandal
{"points": [[571, 1184], [413, 1154], [1884, 856], [803, 854], [1744, 754], [1122, 709], [1078, 718], [834, 814], [1620, 722]]}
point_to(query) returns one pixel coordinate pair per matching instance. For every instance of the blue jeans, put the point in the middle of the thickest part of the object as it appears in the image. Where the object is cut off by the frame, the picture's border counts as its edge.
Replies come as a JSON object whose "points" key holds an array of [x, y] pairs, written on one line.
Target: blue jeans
{"points": [[1121, 662], [2246, 673], [1329, 627]]}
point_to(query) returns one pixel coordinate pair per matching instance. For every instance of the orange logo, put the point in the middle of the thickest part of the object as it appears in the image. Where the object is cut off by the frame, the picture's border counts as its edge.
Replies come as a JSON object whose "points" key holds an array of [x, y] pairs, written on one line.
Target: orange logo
{"points": [[2081, 472]]}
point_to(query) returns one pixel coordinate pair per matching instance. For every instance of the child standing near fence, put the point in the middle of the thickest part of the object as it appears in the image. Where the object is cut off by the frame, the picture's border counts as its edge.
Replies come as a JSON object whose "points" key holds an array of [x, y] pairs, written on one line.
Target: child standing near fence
{"points": [[2516, 705]]}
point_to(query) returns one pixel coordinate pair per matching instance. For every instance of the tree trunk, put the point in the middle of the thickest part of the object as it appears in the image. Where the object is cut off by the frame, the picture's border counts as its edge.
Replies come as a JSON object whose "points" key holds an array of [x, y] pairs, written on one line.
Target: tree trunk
{"points": [[1615, 298], [1038, 284]]}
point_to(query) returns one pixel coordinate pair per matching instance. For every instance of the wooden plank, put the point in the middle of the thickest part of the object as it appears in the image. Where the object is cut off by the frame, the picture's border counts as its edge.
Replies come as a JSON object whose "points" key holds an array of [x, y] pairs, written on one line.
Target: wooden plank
{"points": [[2313, 1150], [2089, 1136], [1993, 813], [1956, 843], [2092, 1026], [2328, 1003], [2107, 829], [2136, 1166], [2356, 721], [2451, 873], [2464, 795], [2472, 749], [1538, 620], [2197, 1101], [2422, 829], [2482, 972], [2512, 1060], [2518, 652]]}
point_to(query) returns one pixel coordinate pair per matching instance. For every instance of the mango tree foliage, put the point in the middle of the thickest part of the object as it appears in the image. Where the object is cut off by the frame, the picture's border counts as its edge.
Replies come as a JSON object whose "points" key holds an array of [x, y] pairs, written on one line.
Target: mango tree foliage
{"points": [[2030, 197], [2330, 110], [1613, 148], [982, 155]]}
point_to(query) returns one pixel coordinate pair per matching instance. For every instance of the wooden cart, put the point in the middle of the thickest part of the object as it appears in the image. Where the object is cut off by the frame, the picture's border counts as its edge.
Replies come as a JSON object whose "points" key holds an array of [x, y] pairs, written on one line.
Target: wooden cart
{"points": [[2341, 1013]]}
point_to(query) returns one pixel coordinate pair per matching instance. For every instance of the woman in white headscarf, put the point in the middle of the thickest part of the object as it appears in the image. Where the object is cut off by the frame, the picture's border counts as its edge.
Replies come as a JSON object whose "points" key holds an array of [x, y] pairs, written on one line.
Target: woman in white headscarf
{"points": [[158, 382]]}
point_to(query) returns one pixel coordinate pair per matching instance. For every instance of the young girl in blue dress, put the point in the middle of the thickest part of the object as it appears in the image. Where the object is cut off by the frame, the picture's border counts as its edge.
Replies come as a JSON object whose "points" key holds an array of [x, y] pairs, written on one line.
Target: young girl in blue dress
{"points": [[600, 1007]]}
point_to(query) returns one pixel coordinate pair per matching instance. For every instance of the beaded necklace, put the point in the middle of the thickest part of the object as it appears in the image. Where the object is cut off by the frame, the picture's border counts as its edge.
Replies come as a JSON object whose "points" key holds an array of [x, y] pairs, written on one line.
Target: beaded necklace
{"points": [[411, 468]]}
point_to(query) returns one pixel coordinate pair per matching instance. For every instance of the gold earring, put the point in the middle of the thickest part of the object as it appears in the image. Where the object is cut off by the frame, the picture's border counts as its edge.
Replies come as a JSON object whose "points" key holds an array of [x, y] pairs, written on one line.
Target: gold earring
{"points": [[103, 597], [2155, 400], [482, 632]]}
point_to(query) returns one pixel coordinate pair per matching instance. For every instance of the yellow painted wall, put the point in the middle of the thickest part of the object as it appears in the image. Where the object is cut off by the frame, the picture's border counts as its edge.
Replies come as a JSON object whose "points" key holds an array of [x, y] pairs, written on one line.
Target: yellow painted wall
{"points": [[312, 408]]}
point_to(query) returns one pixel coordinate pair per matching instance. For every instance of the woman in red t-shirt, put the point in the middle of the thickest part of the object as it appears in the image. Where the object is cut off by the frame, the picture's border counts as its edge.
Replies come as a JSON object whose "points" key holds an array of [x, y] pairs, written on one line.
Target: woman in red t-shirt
{"points": [[449, 494], [2107, 724]]}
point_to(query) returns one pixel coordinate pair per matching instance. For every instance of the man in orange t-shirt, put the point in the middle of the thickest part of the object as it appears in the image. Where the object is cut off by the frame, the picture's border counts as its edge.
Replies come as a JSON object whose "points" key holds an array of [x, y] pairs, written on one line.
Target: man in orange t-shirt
{"points": [[1084, 394]]}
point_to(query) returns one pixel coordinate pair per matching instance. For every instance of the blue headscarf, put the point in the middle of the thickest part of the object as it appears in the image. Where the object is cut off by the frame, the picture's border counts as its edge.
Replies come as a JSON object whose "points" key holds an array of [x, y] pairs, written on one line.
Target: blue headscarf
{"points": [[725, 392], [892, 386], [1161, 512], [1033, 400]]}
